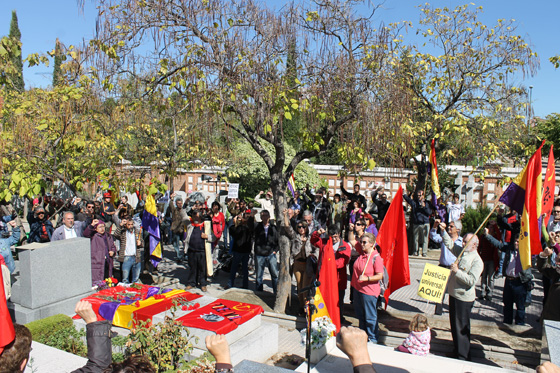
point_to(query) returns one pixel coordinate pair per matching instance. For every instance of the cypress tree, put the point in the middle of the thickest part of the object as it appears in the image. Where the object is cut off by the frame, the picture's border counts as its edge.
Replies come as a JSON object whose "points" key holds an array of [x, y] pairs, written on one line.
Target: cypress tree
{"points": [[17, 79], [57, 72]]}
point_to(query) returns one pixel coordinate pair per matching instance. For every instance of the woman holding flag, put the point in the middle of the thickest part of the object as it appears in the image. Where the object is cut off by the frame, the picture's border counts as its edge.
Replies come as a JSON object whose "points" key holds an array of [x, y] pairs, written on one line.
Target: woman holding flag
{"points": [[366, 274]]}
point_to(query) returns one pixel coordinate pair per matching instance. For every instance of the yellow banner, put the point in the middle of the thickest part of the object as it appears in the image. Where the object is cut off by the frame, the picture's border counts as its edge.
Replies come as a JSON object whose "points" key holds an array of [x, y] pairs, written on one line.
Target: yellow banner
{"points": [[433, 282]]}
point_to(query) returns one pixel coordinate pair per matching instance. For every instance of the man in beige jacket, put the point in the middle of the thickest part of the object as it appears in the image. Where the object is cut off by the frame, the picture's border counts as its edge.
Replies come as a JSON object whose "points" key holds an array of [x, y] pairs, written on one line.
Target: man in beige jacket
{"points": [[465, 273]]}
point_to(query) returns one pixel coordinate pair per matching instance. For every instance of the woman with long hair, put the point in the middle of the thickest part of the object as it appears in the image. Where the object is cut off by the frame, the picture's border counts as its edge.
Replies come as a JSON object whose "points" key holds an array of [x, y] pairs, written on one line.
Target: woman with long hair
{"points": [[301, 250]]}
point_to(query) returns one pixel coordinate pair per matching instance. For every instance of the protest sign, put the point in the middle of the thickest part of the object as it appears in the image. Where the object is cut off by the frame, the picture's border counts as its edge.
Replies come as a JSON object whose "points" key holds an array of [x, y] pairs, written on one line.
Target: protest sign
{"points": [[233, 191], [433, 282]]}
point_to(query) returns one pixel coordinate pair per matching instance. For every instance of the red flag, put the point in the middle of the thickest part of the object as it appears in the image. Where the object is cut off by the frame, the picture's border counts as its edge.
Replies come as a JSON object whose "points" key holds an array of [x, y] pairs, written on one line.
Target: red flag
{"points": [[329, 282], [394, 246], [548, 187], [7, 331]]}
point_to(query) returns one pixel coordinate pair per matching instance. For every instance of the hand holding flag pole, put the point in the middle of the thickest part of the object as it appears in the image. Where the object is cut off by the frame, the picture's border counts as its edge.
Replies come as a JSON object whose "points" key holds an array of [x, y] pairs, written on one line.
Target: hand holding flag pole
{"points": [[478, 230]]}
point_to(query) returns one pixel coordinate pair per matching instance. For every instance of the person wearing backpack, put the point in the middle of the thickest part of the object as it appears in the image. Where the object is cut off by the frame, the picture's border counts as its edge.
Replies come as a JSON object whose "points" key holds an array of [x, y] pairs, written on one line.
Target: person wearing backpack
{"points": [[367, 274]]}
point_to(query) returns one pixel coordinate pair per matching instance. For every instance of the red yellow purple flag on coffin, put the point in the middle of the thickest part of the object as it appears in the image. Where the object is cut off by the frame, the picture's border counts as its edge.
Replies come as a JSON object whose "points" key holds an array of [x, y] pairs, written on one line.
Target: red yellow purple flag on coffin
{"points": [[524, 195], [151, 225]]}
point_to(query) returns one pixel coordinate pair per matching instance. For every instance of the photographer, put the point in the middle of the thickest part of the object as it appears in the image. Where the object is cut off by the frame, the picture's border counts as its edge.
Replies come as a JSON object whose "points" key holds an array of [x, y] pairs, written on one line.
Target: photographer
{"points": [[40, 227]]}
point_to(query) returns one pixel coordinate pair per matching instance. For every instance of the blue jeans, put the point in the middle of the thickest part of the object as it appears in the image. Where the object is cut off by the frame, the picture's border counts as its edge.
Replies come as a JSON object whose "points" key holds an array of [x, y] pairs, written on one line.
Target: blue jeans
{"points": [[178, 246], [242, 258], [128, 264], [8, 258], [365, 307], [501, 255], [271, 262]]}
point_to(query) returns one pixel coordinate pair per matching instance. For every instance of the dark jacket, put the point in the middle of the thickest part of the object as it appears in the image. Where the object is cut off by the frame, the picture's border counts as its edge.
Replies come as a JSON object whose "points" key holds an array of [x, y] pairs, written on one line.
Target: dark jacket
{"points": [[101, 244], [242, 237], [265, 244], [509, 225], [551, 309], [321, 210], [98, 337], [382, 207], [420, 214], [509, 248], [355, 197], [36, 228]]}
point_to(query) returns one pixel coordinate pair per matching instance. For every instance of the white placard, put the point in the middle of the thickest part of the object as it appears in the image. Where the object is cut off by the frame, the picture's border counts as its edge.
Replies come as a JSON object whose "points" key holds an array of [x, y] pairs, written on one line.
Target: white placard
{"points": [[233, 191]]}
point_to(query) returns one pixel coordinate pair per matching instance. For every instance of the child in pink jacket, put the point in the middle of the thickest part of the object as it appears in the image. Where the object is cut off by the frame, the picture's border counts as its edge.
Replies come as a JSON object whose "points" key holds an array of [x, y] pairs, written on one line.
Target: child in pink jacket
{"points": [[418, 341]]}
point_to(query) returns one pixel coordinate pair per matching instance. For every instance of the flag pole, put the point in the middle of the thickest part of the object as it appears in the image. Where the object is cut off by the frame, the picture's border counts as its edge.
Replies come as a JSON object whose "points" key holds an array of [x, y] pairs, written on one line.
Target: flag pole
{"points": [[367, 262], [479, 228]]}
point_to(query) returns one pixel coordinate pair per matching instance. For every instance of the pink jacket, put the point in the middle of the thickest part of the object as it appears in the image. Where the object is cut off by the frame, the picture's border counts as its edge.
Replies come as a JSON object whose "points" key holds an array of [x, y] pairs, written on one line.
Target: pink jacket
{"points": [[418, 343]]}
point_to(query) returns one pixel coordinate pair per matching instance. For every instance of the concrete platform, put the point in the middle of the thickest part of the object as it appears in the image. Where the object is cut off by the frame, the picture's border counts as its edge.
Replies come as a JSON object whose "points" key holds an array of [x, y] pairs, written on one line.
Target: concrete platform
{"points": [[387, 360], [45, 359]]}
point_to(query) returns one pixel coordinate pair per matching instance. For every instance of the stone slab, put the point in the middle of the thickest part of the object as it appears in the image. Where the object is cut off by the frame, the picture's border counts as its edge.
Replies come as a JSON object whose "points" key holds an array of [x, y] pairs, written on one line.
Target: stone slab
{"points": [[52, 272], [552, 332], [23, 315], [387, 360], [46, 359], [248, 366], [259, 345]]}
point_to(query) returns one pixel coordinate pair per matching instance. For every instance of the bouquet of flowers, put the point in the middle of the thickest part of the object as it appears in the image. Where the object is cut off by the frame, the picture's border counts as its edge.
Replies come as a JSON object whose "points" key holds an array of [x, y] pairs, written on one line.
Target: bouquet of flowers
{"points": [[105, 284], [322, 329]]}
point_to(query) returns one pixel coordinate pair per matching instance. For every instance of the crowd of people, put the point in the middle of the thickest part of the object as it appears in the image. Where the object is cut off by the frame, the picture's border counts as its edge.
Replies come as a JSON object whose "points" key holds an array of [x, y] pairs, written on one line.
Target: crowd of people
{"points": [[351, 219]]}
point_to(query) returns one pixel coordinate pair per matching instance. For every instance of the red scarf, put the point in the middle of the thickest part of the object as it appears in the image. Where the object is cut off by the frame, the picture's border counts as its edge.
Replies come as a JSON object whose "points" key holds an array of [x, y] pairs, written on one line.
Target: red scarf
{"points": [[199, 225]]}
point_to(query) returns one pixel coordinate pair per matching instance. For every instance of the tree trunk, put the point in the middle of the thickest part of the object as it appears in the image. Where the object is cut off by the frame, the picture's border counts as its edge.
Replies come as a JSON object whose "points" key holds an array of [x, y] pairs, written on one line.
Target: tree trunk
{"points": [[422, 168], [284, 286]]}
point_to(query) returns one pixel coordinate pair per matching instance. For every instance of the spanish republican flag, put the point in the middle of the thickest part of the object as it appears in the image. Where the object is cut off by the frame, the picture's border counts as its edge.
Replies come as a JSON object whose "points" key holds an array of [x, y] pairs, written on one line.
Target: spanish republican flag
{"points": [[548, 187], [394, 246], [150, 223], [328, 290], [292, 185], [433, 172], [524, 195]]}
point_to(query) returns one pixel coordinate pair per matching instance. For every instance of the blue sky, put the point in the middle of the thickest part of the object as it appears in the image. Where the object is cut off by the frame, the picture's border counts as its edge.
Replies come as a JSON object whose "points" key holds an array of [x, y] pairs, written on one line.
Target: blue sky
{"points": [[41, 22]]}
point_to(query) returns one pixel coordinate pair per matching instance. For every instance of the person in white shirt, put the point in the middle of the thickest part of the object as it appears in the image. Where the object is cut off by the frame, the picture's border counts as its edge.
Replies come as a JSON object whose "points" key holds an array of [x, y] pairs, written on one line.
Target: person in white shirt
{"points": [[69, 228], [130, 250], [455, 211]]}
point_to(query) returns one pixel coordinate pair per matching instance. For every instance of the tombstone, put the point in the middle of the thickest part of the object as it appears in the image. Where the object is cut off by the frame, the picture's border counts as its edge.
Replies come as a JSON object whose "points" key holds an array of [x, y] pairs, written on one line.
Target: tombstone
{"points": [[50, 279], [470, 192]]}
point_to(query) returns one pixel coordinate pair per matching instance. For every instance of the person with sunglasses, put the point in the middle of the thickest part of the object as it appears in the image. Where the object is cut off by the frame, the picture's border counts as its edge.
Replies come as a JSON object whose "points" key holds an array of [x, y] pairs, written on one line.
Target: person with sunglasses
{"points": [[356, 231], [300, 251], [88, 214], [40, 227], [366, 274], [554, 223]]}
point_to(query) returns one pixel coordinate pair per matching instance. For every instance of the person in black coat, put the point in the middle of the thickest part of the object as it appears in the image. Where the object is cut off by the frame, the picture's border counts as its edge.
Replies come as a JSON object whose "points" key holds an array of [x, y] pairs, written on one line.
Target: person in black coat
{"points": [[242, 233], [517, 279]]}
